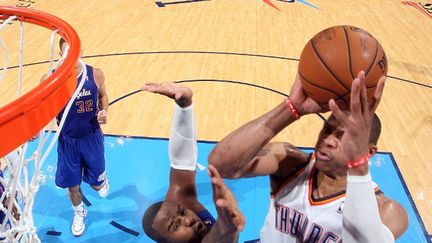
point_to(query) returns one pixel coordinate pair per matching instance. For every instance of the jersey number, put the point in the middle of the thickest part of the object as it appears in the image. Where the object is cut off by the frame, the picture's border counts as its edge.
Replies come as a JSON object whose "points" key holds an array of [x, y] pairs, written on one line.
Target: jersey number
{"points": [[84, 106]]}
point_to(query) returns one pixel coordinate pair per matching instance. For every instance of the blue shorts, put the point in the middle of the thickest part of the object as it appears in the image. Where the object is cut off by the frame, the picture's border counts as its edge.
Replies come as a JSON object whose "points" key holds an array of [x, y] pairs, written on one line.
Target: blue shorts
{"points": [[81, 159]]}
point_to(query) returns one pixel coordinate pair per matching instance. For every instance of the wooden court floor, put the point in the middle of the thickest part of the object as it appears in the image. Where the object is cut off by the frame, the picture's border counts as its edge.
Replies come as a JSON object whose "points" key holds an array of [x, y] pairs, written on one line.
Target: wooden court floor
{"points": [[218, 46]]}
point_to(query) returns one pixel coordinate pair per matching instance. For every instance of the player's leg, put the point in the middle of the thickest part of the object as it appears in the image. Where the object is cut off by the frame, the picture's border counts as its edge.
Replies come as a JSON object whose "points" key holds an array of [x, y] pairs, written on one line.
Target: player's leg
{"points": [[68, 175], [94, 158], [75, 195], [80, 212]]}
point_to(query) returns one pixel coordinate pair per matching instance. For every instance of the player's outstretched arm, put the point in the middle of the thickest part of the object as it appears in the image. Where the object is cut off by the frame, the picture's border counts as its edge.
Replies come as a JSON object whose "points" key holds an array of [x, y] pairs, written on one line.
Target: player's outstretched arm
{"points": [[230, 220], [245, 152], [182, 148]]}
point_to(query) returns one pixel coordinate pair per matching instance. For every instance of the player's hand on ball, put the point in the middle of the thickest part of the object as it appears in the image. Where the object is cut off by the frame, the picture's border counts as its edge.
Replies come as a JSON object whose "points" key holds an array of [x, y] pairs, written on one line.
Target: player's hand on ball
{"points": [[304, 104], [358, 123]]}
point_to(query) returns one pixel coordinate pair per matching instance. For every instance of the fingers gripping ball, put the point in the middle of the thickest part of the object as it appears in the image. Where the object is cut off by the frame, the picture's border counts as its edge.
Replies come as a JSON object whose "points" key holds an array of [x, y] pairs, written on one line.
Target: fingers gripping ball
{"points": [[331, 60]]}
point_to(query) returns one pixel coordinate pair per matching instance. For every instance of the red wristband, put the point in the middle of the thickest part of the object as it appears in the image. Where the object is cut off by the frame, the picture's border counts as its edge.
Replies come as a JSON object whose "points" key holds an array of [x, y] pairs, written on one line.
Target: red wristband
{"points": [[360, 161], [292, 108]]}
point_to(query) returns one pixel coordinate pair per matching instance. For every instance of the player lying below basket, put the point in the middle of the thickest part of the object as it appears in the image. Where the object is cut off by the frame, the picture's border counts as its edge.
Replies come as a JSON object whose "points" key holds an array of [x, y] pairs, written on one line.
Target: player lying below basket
{"points": [[327, 196], [181, 217]]}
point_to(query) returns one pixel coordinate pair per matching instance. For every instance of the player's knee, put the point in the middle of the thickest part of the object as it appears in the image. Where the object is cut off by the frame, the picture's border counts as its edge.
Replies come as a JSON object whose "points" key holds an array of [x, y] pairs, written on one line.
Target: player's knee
{"points": [[74, 189]]}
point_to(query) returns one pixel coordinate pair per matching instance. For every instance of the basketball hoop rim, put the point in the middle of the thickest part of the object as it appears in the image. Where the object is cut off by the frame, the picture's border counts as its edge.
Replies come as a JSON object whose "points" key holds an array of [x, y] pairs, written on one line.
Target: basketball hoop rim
{"points": [[57, 85]]}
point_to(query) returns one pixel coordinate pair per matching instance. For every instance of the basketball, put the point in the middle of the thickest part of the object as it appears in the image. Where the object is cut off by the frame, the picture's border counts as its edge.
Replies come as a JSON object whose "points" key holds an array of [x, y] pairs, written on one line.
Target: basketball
{"points": [[331, 60]]}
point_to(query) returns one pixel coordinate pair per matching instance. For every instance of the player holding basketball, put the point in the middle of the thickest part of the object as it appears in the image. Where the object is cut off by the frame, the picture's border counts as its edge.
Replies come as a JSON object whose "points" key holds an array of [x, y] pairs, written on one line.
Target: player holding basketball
{"points": [[181, 217], [327, 196], [80, 144]]}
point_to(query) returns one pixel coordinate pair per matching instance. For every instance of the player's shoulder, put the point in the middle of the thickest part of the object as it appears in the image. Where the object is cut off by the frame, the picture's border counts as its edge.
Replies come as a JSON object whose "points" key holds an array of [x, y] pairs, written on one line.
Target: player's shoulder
{"points": [[288, 151], [393, 215], [389, 206], [290, 158], [97, 72], [98, 75]]}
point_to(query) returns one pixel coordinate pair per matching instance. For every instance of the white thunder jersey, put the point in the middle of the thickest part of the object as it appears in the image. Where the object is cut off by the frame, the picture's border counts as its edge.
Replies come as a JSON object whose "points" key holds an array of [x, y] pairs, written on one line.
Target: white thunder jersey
{"points": [[295, 216]]}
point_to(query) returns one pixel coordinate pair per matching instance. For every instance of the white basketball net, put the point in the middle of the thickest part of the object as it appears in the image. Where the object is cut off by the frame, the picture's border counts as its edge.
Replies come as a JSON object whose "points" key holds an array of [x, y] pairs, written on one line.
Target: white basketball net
{"points": [[22, 173]]}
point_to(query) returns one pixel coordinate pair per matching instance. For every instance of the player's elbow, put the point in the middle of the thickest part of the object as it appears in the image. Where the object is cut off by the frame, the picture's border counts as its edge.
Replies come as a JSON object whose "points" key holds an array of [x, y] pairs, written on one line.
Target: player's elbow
{"points": [[221, 161], [217, 158]]}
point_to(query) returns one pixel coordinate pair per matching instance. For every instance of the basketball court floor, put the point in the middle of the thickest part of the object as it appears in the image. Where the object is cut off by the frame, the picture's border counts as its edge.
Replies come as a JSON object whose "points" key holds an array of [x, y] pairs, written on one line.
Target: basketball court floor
{"points": [[239, 57]]}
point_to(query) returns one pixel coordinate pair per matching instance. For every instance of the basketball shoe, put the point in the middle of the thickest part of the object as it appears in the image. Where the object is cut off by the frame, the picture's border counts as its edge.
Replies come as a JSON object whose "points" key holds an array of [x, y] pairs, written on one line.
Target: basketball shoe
{"points": [[103, 192], [78, 224]]}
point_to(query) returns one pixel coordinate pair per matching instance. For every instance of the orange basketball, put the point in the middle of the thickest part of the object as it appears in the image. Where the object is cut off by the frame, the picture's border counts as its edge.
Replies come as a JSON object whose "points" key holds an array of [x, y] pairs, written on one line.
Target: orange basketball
{"points": [[332, 59]]}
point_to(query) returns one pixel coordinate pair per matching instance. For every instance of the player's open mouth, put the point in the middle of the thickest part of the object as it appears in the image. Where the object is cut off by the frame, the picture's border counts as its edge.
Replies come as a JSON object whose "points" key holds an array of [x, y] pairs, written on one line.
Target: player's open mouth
{"points": [[323, 155], [200, 227]]}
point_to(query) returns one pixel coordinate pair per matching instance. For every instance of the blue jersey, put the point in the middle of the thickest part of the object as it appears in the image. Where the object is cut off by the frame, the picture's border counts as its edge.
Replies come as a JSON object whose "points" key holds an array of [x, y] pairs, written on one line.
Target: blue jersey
{"points": [[207, 218], [82, 117]]}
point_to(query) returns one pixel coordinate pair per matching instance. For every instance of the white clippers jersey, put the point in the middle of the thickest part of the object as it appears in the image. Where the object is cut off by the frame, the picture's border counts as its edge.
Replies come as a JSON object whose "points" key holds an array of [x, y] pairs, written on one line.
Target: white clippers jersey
{"points": [[294, 215]]}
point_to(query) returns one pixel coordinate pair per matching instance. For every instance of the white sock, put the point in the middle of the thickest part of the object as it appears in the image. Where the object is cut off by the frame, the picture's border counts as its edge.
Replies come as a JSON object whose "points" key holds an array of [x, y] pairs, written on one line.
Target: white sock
{"points": [[78, 208]]}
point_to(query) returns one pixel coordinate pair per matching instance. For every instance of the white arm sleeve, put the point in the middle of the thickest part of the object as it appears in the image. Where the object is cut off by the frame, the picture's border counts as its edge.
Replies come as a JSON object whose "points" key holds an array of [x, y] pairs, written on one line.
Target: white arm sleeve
{"points": [[182, 146], [361, 218]]}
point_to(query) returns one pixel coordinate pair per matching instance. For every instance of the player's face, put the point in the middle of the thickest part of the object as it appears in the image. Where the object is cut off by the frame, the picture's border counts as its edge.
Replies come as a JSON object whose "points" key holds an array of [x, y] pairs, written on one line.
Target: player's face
{"points": [[178, 224], [329, 150], [63, 49]]}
